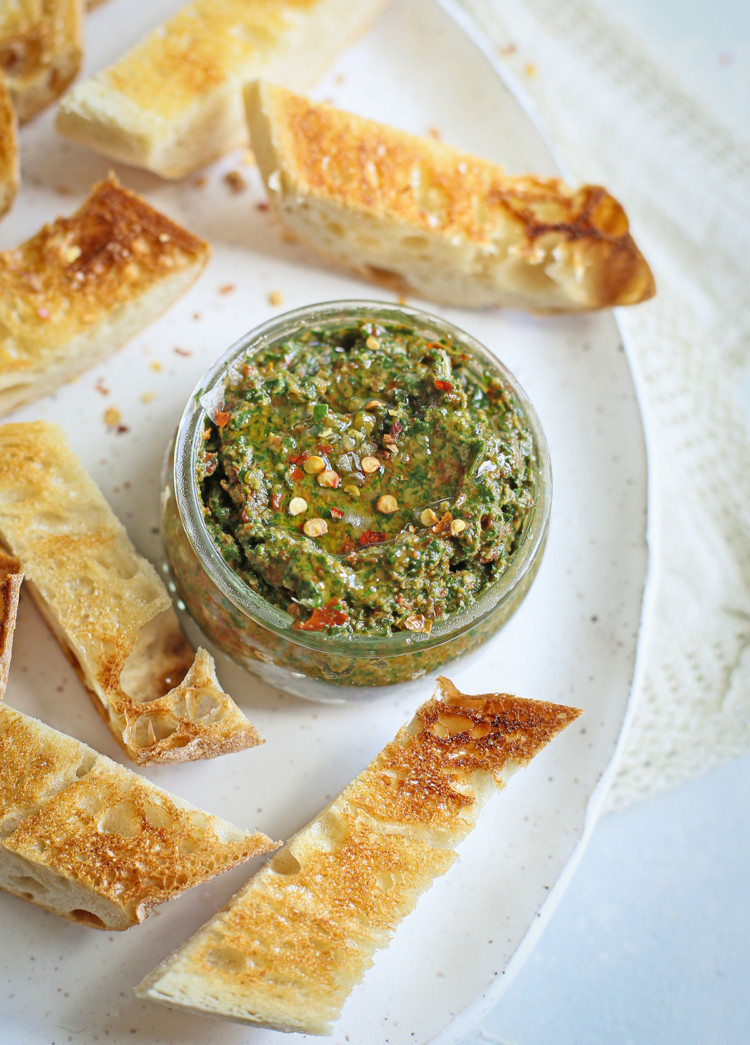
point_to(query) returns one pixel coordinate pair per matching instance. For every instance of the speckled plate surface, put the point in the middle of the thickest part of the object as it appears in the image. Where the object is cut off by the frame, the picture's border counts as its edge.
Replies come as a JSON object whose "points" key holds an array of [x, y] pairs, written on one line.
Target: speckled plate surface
{"points": [[574, 639]]}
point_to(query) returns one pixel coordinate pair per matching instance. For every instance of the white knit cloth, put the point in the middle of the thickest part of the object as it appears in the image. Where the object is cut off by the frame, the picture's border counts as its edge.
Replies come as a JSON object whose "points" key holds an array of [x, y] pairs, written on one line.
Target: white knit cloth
{"points": [[612, 116]]}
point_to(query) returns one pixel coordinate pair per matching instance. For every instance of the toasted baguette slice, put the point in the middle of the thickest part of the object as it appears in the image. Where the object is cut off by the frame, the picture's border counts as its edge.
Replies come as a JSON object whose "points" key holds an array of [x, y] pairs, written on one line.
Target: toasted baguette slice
{"points": [[420, 217], [8, 149], [83, 286], [286, 951], [11, 575], [40, 49], [108, 607], [174, 102], [94, 842]]}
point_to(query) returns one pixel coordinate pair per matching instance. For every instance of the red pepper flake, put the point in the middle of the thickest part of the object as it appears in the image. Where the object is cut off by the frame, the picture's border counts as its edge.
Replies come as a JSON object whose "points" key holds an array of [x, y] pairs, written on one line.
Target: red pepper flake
{"points": [[325, 448], [262, 205], [297, 474], [443, 524], [246, 515], [122, 429], [276, 501], [348, 545], [182, 351], [337, 513], [443, 386], [396, 427], [371, 537], [323, 618], [298, 458], [221, 417]]}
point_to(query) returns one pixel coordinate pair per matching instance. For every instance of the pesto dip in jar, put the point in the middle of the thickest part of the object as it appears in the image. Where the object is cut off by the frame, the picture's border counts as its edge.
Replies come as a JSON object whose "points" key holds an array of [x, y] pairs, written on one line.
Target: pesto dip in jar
{"points": [[366, 478]]}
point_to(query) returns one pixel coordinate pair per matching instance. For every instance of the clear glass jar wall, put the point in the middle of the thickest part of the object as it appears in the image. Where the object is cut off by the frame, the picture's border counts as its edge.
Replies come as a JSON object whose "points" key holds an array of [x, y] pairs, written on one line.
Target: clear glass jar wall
{"points": [[262, 637]]}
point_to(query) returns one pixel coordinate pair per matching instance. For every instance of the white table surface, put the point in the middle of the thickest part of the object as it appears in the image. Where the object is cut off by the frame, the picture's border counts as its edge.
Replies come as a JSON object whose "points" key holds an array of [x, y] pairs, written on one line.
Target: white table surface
{"points": [[650, 944]]}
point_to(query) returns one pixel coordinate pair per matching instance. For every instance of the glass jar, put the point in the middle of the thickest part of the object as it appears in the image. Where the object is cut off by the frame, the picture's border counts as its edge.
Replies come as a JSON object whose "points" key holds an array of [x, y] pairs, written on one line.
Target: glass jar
{"points": [[262, 637]]}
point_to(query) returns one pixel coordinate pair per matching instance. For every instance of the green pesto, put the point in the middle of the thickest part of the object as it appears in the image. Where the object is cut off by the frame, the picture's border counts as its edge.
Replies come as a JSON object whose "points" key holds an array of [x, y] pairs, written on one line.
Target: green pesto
{"points": [[446, 435]]}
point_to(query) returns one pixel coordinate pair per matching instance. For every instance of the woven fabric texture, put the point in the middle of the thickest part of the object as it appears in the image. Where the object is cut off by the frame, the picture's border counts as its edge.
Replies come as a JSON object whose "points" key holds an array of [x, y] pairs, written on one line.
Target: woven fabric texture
{"points": [[612, 115]]}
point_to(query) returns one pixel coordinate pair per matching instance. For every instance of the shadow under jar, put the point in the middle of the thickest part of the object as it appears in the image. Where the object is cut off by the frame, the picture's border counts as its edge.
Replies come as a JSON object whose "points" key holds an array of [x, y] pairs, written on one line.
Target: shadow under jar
{"points": [[357, 494]]}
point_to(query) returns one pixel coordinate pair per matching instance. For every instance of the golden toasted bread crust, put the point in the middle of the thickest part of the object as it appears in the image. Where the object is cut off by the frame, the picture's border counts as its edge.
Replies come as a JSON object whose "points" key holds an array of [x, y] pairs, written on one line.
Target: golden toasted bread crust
{"points": [[8, 149], [95, 842], [173, 103], [383, 200], [287, 950], [41, 48], [108, 607], [92, 271]]}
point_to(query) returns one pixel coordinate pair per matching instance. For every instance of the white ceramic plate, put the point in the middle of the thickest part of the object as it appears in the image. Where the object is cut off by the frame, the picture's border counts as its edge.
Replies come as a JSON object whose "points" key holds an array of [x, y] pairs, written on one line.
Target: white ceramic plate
{"points": [[573, 640]]}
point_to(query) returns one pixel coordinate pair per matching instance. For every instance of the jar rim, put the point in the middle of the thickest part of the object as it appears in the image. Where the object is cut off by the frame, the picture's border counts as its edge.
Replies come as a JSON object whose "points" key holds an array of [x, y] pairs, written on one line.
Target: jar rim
{"points": [[205, 396]]}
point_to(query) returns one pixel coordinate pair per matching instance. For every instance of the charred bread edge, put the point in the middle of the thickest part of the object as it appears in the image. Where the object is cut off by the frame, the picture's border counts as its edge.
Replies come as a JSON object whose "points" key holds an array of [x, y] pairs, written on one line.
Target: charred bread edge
{"points": [[307, 926]]}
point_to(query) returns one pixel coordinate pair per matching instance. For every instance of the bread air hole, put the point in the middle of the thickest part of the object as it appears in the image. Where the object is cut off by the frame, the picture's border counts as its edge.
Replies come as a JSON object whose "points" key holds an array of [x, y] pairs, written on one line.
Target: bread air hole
{"points": [[150, 729], [228, 959], [188, 846], [207, 707], [286, 862], [385, 881], [332, 829], [78, 914], [158, 817], [85, 765], [450, 725], [26, 887], [123, 819]]}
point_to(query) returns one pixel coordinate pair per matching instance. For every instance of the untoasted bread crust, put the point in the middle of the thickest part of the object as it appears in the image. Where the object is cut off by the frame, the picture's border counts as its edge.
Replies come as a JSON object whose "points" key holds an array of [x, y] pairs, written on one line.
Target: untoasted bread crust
{"points": [[8, 149], [173, 103], [94, 842], [287, 950], [41, 48], [108, 607], [422, 217], [82, 286], [11, 575]]}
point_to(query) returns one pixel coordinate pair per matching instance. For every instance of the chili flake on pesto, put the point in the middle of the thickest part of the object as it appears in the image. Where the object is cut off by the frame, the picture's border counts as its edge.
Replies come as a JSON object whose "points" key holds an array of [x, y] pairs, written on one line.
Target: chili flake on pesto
{"points": [[366, 479]]}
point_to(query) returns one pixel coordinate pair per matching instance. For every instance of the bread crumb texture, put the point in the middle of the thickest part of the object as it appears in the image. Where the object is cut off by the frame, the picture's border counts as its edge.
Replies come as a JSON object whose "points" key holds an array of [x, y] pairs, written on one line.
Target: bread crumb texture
{"points": [[108, 607], [287, 950], [76, 271], [94, 841], [202, 47], [418, 215], [41, 49]]}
